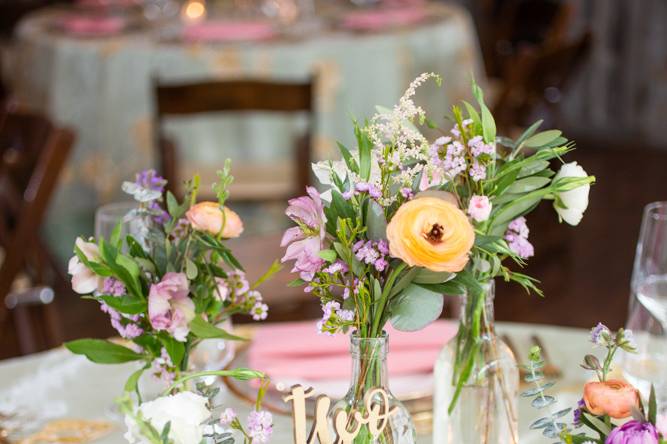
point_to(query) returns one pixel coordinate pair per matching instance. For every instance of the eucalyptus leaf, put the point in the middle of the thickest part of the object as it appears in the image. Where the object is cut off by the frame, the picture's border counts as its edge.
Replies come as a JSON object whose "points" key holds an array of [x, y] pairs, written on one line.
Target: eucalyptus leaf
{"points": [[415, 307]]}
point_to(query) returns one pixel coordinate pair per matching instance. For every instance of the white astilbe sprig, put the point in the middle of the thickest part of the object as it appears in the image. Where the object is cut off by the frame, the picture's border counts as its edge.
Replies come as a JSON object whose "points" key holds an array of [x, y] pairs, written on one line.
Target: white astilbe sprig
{"points": [[397, 142]]}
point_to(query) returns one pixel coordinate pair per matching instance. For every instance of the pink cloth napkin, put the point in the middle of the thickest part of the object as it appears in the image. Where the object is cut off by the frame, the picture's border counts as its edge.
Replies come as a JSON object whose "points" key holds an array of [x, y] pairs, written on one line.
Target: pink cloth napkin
{"points": [[92, 26], [380, 19], [295, 350], [220, 31]]}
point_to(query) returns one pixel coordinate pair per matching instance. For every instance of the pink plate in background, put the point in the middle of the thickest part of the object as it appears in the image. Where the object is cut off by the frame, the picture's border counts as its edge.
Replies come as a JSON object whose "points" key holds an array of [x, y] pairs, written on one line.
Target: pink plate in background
{"points": [[380, 19], [91, 26], [229, 31]]}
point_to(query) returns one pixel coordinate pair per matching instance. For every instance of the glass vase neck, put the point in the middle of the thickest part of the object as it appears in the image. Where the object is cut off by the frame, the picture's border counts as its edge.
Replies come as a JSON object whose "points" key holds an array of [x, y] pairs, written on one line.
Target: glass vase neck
{"points": [[369, 361], [468, 302]]}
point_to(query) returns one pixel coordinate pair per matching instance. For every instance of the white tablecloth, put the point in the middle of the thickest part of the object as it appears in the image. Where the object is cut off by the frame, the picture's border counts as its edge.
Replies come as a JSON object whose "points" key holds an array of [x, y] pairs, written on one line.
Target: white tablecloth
{"points": [[103, 89], [62, 385]]}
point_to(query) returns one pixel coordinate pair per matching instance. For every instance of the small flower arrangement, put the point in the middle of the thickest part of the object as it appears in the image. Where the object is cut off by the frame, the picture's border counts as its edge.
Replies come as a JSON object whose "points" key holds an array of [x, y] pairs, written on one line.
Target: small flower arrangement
{"points": [[166, 287], [610, 408]]}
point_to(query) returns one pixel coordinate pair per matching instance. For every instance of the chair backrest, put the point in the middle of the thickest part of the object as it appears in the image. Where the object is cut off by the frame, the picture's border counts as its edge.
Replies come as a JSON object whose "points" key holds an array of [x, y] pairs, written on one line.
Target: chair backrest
{"points": [[33, 153], [538, 77], [234, 96]]}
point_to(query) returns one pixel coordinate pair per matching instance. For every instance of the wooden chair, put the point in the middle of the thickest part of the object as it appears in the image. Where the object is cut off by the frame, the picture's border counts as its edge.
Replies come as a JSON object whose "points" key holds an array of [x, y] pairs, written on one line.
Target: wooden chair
{"points": [[236, 96], [535, 81], [33, 153]]}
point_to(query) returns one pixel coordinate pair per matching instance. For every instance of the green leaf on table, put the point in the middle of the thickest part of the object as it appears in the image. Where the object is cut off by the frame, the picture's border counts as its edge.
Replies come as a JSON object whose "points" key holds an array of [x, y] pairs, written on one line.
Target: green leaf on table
{"points": [[190, 269], [415, 307], [127, 304], [102, 352], [175, 349], [425, 276], [543, 138], [376, 222], [205, 330], [328, 255]]}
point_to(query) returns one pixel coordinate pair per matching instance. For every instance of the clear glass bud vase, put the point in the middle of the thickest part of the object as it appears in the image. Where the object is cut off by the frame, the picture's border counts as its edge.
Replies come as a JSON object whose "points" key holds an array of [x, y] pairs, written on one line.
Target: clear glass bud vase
{"points": [[485, 411], [369, 372]]}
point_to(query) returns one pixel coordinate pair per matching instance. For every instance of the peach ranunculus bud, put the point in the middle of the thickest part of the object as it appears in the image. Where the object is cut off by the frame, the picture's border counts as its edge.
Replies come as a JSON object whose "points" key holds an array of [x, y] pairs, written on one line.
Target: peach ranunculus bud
{"points": [[208, 217], [613, 397], [432, 233]]}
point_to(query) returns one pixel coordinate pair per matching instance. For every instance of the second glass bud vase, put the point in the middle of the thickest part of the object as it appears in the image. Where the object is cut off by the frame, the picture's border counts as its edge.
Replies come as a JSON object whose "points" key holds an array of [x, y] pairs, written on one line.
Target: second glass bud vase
{"points": [[369, 372], [485, 411]]}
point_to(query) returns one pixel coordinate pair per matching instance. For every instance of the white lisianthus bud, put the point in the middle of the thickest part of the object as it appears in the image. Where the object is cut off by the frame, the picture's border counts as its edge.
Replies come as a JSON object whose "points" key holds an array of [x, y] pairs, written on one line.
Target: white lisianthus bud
{"points": [[576, 200]]}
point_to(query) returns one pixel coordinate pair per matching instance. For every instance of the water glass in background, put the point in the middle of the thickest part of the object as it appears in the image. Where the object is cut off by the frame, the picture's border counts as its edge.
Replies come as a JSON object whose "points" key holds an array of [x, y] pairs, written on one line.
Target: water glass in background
{"points": [[108, 216], [648, 306]]}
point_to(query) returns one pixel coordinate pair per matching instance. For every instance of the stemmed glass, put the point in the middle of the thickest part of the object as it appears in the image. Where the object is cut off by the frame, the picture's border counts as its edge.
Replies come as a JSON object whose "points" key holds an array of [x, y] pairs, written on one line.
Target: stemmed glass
{"points": [[648, 306]]}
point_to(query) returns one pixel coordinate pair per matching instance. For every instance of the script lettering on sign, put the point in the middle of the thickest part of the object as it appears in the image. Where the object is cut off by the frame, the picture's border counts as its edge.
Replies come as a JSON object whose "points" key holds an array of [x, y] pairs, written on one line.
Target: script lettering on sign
{"points": [[376, 416]]}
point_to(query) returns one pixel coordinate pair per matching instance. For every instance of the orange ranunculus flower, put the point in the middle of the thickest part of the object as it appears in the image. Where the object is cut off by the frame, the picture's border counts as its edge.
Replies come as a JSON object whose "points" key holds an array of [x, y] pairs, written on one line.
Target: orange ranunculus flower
{"points": [[207, 216], [613, 397], [431, 233]]}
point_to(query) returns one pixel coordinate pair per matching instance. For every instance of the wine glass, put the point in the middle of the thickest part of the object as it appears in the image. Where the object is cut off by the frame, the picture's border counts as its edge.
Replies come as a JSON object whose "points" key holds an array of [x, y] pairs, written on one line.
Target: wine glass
{"points": [[108, 216], [648, 306]]}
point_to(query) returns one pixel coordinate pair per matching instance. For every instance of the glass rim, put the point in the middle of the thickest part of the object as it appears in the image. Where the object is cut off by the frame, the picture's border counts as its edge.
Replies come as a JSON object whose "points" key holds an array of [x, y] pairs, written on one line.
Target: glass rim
{"points": [[355, 337], [651, 210]]}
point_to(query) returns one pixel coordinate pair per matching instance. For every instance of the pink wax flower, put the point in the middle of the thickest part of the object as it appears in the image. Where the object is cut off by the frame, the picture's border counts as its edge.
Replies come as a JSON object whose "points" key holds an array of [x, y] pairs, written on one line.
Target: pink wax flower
{"points": [[169, 307], [479, 208], [633, 432], [305, 241]]}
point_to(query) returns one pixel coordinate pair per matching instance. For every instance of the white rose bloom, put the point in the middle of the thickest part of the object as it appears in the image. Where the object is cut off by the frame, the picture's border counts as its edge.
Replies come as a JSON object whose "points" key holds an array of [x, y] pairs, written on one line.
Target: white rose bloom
{"points": [[185, 411], [575, 200]]}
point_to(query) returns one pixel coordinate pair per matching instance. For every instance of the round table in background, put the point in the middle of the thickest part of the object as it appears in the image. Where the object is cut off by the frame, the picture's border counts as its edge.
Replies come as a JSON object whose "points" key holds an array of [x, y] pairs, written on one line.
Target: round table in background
{"points": [[102, 88]]}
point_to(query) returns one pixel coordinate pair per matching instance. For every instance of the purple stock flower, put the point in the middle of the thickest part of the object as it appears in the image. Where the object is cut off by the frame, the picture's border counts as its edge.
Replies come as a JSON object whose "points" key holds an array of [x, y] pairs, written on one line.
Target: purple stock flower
{"points": [[633, 432], [305, 241], [477, 171], [149, 179]]}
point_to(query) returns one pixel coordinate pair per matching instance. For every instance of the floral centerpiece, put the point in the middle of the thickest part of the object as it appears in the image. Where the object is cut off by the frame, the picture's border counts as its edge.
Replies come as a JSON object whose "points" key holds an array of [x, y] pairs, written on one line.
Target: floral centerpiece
{"points": [[610, 408], [402, 220], [166, 287]]}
